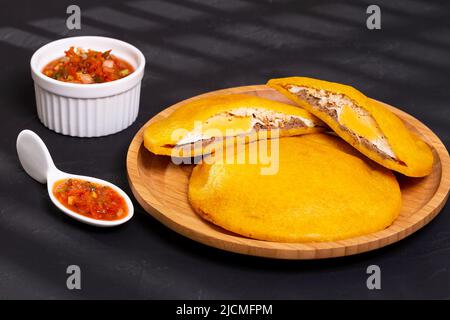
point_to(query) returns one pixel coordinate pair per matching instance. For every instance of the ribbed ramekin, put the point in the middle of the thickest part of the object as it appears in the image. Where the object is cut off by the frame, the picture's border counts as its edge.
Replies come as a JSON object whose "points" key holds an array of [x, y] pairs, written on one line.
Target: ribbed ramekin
{"points": [[87, 110]]}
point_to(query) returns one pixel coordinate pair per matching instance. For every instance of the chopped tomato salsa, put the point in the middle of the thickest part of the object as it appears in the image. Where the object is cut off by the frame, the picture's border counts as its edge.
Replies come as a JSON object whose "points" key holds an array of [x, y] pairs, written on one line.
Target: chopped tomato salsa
{"points": [[87, 66], [90, 199]]}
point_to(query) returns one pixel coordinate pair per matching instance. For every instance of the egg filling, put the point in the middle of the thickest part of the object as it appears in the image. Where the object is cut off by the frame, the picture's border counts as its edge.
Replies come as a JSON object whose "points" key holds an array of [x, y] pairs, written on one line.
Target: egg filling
{"points": [[350, 117]]}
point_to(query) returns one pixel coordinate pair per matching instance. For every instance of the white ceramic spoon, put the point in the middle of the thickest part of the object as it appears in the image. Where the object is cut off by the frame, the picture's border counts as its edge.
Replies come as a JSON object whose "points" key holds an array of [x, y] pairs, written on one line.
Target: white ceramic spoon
{"points": [[37, 162]]}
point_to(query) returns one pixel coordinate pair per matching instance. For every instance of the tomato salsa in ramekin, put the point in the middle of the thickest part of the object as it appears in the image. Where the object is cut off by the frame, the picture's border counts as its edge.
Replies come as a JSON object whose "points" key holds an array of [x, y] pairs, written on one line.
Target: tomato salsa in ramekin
{"points": [[94, 91], [87, 67]]}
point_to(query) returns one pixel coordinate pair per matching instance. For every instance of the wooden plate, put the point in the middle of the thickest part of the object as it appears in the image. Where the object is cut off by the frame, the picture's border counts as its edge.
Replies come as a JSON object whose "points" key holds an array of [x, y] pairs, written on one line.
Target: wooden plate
{"points": [[161, 188]]}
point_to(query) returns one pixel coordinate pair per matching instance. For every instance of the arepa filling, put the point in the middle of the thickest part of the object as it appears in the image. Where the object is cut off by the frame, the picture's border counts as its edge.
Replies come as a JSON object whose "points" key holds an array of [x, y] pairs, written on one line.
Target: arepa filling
{"points": [[351, 118], [244, 121]]}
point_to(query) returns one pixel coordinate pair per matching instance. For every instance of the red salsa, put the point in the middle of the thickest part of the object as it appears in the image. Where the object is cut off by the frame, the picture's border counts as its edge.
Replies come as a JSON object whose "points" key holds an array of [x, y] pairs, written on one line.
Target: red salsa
{"points": [[90, 199], [87, 66]]}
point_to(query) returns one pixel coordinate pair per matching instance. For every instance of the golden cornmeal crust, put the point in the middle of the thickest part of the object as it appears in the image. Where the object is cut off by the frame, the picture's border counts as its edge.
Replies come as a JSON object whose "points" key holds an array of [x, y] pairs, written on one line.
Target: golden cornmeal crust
{"points": [[159, 138], [324, 190], [413, 157]]}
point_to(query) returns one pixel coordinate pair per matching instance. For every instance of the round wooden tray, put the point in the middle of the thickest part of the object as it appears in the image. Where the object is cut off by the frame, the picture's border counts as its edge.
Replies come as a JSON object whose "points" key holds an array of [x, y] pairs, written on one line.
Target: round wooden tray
{"points": [[161, 188]]}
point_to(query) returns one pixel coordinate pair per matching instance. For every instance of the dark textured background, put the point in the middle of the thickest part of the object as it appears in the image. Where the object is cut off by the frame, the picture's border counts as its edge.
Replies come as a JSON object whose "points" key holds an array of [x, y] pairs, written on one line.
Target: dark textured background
{"points": [[192, 47]]}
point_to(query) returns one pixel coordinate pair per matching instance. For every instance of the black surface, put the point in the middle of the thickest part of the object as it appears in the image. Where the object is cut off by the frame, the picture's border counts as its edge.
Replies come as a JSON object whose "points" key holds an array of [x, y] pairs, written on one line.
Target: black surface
{"points": [[193, 47]]}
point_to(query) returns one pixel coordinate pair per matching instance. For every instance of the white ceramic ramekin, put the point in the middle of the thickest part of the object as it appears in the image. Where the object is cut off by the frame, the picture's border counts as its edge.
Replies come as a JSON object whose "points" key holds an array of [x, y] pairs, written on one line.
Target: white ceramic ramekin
{"points": [[87, 110]]}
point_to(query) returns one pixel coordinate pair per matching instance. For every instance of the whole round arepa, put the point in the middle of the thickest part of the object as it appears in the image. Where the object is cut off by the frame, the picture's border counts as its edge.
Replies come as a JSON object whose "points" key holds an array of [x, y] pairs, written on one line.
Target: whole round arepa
{"points": [[318, 188]]}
